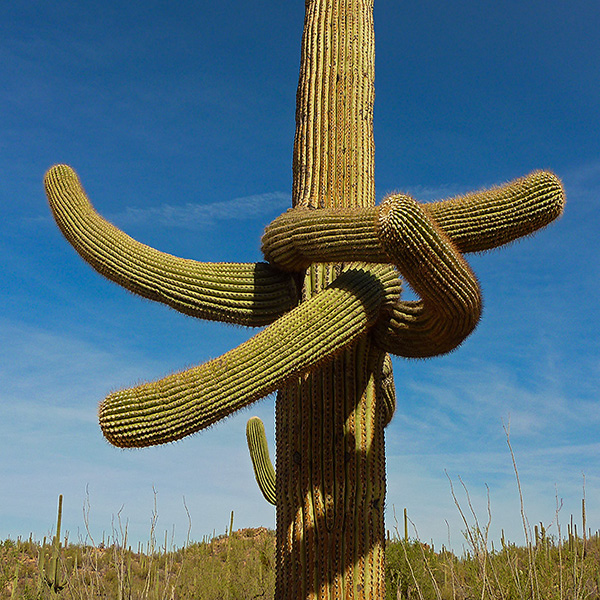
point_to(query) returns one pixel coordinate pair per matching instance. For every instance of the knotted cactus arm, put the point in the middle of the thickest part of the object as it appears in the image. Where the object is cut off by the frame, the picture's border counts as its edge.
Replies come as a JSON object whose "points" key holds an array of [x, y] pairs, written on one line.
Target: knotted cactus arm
{"points": [[450, 305], [299, 341], [451, 302], [261, 461], [245, 294], [398, 231], [477, 221]]}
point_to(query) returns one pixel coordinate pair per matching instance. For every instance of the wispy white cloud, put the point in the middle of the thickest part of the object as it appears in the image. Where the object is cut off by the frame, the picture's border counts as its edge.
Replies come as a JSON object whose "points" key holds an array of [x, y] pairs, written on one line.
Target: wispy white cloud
{"points": [[198, 216], [50, 443], [583, 182], [474, 393], [424, 193]]}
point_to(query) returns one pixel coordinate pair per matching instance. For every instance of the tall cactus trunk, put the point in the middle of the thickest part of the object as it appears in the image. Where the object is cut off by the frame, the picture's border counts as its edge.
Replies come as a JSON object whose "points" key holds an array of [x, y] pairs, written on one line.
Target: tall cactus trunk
{"points": [[330, 440], [327, 356], [333, 148]]}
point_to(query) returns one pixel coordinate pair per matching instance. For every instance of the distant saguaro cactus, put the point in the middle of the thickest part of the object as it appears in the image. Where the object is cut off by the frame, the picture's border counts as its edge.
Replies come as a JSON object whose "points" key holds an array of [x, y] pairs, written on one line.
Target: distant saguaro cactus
{"points": [[330, 295], [52, 573]]}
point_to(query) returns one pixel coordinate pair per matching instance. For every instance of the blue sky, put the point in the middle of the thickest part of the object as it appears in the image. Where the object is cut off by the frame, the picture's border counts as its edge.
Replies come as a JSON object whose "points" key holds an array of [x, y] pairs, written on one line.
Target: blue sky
{"points": [[179, 119]]}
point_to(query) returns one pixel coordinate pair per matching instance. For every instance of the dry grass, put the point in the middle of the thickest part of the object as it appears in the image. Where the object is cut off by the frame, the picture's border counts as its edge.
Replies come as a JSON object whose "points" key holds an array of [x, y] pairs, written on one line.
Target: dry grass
{"points": [[242, 565], [236, 567]]}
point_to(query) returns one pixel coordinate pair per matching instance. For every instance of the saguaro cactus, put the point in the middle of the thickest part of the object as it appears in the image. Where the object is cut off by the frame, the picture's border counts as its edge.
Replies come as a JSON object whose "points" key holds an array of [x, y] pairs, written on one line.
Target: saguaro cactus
{"points": [[52, 573], [331, 297]]}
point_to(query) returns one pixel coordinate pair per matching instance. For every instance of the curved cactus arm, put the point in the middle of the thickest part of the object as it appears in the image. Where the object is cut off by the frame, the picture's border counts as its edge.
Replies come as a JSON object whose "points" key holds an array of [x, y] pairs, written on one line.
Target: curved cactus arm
{"points": [[450, 305], [261, 461], [478, 222], [303, 236], [244, 294], [298, 342], [425, 242], [492, 218], [474, 222], [397, 231]]}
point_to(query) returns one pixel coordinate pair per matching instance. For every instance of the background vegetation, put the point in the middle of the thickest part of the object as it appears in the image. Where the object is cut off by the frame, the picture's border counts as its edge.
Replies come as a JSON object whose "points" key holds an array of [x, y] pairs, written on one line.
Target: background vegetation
{"points": [[242, 566]]}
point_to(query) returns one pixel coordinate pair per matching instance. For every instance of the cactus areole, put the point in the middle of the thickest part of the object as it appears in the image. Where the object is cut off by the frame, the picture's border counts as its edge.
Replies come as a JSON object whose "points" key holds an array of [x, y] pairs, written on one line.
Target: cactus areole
{"points": [[330, 297]]}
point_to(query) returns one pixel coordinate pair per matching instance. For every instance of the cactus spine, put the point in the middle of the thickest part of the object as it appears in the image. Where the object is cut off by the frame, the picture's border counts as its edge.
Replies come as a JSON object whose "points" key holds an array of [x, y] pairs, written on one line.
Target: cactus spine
{"points": [[330, 297]]}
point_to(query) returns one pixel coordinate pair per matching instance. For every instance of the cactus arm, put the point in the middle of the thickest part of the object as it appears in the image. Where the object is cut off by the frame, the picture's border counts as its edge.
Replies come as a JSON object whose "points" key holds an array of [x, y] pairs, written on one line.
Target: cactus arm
{"points": [[450, 305], [474, 222], [492, 218], [301, 236], [477, 222], [245, 294], [299, 341], [261, 461], [425, 242], [386, 390]]}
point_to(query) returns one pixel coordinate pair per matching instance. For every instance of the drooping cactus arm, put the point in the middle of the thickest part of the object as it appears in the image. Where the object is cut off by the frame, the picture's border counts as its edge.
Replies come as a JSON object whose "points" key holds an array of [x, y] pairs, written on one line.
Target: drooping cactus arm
{"points": [[299, 341], [477, 222], [245, 294], [450, 305]]}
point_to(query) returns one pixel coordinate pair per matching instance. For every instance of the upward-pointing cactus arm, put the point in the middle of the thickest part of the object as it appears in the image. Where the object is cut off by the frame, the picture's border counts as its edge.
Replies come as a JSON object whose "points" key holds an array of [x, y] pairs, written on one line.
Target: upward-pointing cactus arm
{"points": [[264, 472], [299, 341], [240, 293]]}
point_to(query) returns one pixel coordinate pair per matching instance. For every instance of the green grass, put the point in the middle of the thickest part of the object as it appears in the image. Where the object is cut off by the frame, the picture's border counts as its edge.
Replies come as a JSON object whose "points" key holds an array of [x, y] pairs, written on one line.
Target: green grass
{"points": [[241, 566], [236, 567], [550, 569]]}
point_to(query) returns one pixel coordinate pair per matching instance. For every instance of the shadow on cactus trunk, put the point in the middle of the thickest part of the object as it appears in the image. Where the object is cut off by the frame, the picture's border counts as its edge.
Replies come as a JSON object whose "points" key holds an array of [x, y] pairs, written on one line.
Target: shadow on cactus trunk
{"points": [[330, 297]]}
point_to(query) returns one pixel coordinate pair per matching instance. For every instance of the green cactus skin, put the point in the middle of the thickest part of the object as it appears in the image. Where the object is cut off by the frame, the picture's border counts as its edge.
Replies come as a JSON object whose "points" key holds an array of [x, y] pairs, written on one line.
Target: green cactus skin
{"points": [[409, 235], [51, 574], [257, 439], [261, 461], [330, 298], [307, 336], [491, 218], [385, 386], [244, 294]]}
